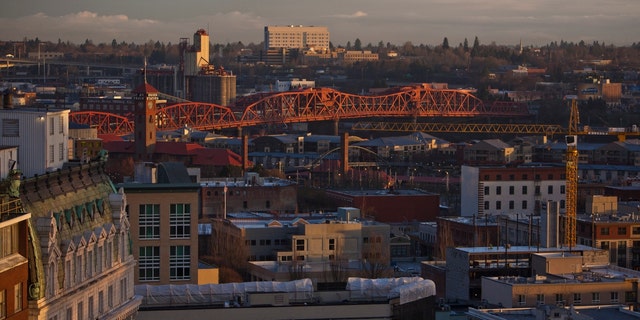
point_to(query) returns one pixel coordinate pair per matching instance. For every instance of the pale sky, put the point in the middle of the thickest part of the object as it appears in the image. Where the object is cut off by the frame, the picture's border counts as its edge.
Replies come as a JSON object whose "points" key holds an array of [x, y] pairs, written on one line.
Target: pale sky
{"points": [[534, 22]]}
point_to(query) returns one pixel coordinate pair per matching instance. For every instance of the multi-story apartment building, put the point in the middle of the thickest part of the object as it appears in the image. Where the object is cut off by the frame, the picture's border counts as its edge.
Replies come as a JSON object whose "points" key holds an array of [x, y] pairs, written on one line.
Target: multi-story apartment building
{"points": [[164, 231], [13, 259], [563, 279], [80, 263], [511, 190], [296, 37], [46, 131]]}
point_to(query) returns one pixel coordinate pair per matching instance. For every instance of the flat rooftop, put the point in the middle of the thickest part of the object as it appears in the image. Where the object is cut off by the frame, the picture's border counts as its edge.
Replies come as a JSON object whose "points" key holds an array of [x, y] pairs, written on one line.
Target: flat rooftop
{"points": [[521, 249], [384, 192]]}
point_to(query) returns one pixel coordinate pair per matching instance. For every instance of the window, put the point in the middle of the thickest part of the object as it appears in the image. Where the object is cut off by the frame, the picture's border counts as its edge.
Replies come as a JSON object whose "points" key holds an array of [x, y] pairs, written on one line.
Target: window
{"points": [[90, 308], [10, 128], [536, 177], [110, 296], [498, 205], [559, 298], [61, 151], [149, 221], [149, 264], [614, 297], [498, 190], [635, 230], [563, 189], [512, 177], [512, 204], [512, 190], [300, 244], [51, 153], [100, 302], [604, 245], [595, 297], [17, 297], [3, 304], [51, 126], [521, 300], [563, 204], [8, 240], [540, 298], [79, 311], [537, 190], [622, 230], [332, 244], [486, 205], [498, 177], [61, 124], [180, 220], [550, 190], [524, 204], [69, 314], [525, 177], [180, 263], [577, 298], [604, 230], [550, 176], [486, 191], [245, 205]]}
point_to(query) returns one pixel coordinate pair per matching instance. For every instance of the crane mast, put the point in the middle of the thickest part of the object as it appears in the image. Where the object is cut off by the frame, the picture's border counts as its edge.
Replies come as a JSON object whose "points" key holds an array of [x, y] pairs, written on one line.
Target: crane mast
{"points": [[572, 176]]}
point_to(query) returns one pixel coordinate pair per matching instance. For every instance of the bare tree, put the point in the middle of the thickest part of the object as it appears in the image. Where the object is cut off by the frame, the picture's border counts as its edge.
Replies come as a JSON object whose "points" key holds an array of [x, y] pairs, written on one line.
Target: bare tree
{"points": [[376, 259]]}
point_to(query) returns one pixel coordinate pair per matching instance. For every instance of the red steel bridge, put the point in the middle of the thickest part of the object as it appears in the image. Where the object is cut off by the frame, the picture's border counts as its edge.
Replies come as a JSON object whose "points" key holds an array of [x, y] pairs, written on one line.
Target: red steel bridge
{"points": [[315, 104]]}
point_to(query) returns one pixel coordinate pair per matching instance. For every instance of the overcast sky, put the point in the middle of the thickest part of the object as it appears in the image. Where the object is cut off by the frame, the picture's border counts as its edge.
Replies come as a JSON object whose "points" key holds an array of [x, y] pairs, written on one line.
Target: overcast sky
{"points": [[535, 22]]}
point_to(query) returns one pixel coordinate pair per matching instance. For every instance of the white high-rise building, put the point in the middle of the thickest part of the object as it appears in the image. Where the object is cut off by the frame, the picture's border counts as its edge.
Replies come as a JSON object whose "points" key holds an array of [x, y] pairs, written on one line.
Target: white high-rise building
{"points": [[197, 56]]}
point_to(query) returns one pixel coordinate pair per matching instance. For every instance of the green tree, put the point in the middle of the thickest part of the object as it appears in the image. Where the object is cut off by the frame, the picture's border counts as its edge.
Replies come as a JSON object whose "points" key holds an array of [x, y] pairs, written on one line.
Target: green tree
{"points": [[475, 50], [445, 43], [357, 45]]}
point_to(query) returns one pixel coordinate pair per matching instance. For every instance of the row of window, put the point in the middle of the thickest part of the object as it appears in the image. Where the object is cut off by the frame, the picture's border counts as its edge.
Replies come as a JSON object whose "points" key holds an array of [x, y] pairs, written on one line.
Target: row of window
{"points": [[577, 298], [524, 190], [512, 204], [179, 221], [524, 176], [267, 242], [179, 263], [103, 306]]}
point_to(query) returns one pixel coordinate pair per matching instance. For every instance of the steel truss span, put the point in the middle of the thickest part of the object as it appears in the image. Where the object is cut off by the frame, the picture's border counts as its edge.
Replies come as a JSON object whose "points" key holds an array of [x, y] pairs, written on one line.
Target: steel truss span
{"points": [[314, 104]]}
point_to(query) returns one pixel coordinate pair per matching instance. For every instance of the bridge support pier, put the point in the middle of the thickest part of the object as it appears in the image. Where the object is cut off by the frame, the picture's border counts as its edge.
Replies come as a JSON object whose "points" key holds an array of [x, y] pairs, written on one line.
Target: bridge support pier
{"points": [[245, 153], [336, 123]]}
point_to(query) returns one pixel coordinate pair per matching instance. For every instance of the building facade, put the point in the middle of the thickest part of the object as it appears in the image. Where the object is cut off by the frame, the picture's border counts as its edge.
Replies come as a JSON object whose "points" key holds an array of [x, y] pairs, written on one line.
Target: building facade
{"points": [[14, 274], [80, 263], [296, 37], [164, 231], [511, 190], [42, 137]]}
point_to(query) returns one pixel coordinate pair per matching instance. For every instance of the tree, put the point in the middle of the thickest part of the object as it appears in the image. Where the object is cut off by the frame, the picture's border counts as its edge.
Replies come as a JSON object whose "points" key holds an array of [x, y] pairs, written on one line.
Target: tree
{"points": [[445, 43], [376, 258], [476, 47], [465, 45], [357, 45]]}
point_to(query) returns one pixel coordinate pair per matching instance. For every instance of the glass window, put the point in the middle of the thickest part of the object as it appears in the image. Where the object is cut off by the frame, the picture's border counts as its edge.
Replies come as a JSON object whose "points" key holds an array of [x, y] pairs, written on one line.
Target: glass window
{"points": [[149, 221], [300, 245], [524, 204], [512, 190], [550, 190], [180, 220], [17, 297], [149, 264], [595, 297], [524, 189], [486, 191], [512, 204], [180, 263], [498, 190], [498, 205], [332, 244], [10, 127]]}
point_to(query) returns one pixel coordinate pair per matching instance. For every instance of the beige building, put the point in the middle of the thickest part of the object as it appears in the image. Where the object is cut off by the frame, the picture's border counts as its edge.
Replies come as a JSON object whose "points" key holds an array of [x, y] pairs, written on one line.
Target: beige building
{"points": [[80, 263], [164, 231], [296, 37], [197, 55], [357, 55], [563, 279]]}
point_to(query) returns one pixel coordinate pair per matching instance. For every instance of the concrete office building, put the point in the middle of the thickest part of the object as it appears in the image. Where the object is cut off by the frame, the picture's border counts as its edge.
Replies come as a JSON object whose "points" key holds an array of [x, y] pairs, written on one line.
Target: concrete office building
{"points": [[296, 37]]}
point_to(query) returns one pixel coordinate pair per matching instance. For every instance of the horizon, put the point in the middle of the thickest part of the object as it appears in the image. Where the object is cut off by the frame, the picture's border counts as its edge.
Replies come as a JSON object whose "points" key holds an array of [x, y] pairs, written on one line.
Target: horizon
{"points": [[503, 22]]}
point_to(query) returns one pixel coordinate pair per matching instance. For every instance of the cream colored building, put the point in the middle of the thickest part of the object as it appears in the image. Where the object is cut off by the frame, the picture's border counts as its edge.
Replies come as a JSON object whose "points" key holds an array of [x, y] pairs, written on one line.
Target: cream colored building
{"points": [[296, 37], [354, 56], [563, 279], [80, 263]]}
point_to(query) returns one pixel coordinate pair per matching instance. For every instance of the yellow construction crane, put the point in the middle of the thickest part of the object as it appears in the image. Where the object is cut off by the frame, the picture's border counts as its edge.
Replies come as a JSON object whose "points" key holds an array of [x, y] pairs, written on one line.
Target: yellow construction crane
{"points": [[572, 176]]}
